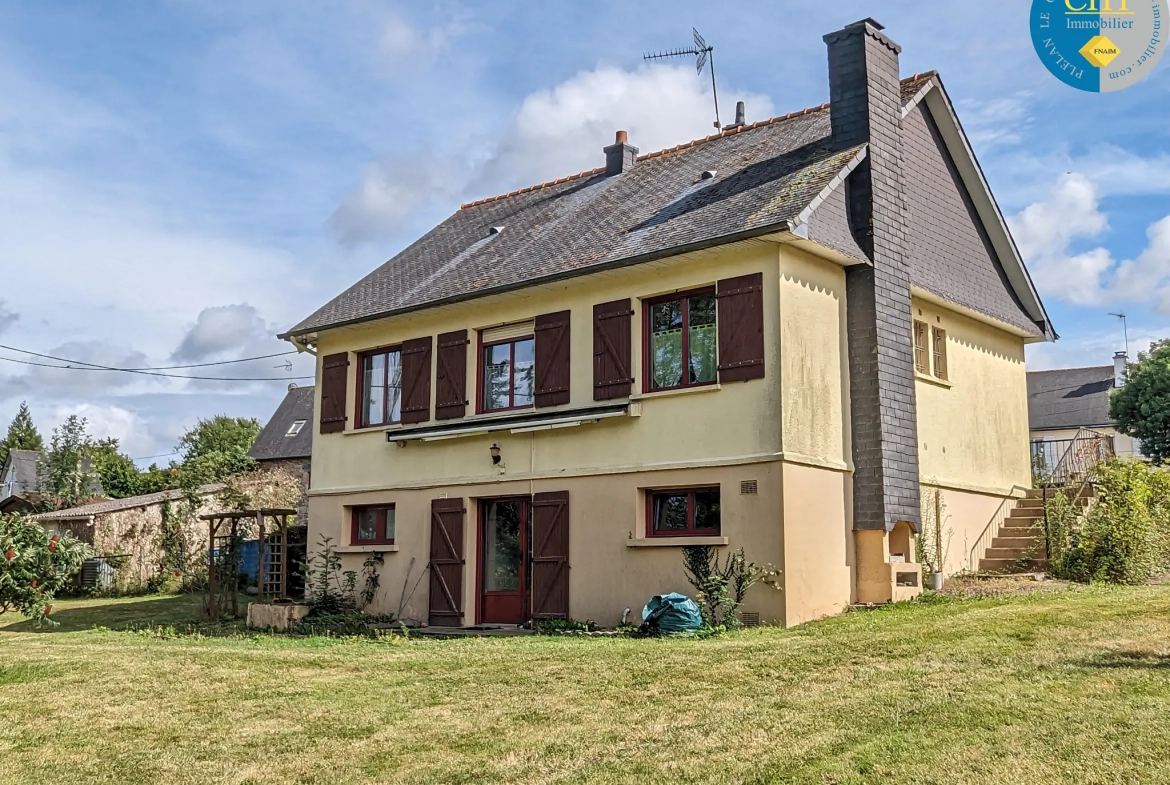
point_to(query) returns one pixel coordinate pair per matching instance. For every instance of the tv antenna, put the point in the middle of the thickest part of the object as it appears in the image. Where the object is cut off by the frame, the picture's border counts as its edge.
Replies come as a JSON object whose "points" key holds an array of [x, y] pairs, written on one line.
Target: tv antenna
{"points": [[702, 51], [1125, 329]]}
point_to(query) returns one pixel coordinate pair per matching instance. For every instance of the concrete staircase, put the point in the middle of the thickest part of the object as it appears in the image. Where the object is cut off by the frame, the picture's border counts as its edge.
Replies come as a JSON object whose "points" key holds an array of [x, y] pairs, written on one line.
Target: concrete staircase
{"points": [[1019, 544]]}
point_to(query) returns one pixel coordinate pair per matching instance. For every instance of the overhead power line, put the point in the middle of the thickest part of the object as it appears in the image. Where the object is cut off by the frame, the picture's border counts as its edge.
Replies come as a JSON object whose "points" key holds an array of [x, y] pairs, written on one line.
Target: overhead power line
{"points": [[148, 368], [157, 373]]}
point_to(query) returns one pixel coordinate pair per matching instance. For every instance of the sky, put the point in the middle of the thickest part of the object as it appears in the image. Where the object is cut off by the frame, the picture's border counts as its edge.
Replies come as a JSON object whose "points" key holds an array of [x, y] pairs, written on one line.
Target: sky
{"points": [[180, 181]]}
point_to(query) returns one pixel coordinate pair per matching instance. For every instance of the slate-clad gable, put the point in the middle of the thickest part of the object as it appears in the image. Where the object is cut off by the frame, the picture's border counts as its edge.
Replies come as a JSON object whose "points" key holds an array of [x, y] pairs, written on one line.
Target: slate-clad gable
{"points": [[949, 254]]}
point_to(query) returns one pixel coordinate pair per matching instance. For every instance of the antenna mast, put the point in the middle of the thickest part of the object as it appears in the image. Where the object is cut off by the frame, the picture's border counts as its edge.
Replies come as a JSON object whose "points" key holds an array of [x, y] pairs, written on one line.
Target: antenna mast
{"points": [[702, 52], [1125, 329]]}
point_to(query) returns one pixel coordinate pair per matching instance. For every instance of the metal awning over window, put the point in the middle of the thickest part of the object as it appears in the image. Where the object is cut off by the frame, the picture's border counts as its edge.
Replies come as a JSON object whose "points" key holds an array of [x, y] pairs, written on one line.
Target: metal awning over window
{"points": [[516, 423]]}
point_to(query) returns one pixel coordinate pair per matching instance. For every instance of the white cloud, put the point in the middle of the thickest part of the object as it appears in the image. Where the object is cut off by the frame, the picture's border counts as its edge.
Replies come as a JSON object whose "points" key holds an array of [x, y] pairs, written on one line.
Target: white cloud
{"points": [[105, 422], [1047, 230], [221, 330], [556, 132], [405, 45]]}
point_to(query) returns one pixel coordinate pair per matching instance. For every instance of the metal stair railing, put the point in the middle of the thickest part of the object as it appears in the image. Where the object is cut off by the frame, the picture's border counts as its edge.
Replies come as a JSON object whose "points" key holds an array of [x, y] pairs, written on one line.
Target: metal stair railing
{"points": [[991, 530], [1073, 473]]}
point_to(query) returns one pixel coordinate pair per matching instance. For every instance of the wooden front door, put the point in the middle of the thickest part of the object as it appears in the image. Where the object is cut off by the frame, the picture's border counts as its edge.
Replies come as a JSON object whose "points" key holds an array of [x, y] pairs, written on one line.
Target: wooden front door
{"points": [[504, 561]]}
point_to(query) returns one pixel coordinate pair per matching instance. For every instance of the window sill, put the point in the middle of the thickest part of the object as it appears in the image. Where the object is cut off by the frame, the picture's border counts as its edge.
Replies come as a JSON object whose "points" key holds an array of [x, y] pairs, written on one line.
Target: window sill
{"points": [[366, 549], [675, 542], [921, 377], [703, 388]]}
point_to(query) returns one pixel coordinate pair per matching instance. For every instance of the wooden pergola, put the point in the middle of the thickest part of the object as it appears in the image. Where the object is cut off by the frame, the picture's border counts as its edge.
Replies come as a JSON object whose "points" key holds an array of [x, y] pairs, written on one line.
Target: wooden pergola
{"points": [[225, 532]]}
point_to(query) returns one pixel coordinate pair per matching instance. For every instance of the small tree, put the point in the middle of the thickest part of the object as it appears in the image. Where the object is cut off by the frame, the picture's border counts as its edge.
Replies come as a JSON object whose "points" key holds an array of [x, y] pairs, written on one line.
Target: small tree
{"points": [[22, 434], [220, 435], [34, 566], [720, 589], [117, 472], [66, 474], [1141, 407]]}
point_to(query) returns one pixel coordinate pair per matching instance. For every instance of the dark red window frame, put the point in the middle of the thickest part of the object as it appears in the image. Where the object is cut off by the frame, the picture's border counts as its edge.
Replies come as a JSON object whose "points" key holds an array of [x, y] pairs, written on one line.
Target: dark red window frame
{"points": [[481, 406], [359, 398], [690, 531], [382, 539], [647, 325]]}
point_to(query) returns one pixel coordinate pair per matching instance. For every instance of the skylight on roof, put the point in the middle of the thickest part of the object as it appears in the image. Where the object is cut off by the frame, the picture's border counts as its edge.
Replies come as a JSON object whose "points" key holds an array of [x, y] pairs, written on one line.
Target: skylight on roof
{"points": [[295, 428]]}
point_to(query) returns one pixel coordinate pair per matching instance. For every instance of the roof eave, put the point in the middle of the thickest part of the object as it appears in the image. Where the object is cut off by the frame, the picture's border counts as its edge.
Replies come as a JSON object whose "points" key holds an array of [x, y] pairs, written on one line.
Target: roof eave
{"points": [[785, 225]]}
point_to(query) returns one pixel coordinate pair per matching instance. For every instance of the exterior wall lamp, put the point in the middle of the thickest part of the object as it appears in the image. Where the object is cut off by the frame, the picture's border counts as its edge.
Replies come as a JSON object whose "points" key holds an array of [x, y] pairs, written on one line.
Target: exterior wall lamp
{"points": [[495, 451]]}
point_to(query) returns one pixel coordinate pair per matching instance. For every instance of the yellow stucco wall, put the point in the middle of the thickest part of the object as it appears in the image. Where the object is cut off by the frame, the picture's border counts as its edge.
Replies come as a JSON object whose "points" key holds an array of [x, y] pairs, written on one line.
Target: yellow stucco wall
{"points": [[814, 369], [612, 564], [972, 430], [727, 423]]}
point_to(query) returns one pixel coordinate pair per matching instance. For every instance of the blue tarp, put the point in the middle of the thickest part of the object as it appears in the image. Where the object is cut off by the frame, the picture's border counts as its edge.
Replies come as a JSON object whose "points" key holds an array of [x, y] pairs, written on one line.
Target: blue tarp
{"points": [[673, 612]]}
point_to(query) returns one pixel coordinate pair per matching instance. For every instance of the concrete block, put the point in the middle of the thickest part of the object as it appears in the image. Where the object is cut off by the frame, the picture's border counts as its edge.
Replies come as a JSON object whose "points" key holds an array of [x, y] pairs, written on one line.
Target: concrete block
{"points": [[265, 616]]}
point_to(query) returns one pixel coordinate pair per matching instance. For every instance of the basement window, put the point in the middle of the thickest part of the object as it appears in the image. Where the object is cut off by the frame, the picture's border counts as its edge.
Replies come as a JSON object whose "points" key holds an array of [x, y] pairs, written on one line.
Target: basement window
{"points": [[373, 526], [687, 512]]}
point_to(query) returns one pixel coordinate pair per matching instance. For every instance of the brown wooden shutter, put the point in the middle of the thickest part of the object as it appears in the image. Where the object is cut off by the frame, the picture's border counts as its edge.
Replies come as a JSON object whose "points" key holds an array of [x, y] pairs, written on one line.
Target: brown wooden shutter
{"points": [[416, 380], [611, 350], [334, 378], [451, 376], [741, 327], [550, 555], [446, 603], [552, 358]]}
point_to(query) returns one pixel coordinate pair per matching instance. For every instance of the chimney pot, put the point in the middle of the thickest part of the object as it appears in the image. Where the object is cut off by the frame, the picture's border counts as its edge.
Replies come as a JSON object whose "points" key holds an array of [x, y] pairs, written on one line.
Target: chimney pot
{"points": [[620, 137], [740, 113]]}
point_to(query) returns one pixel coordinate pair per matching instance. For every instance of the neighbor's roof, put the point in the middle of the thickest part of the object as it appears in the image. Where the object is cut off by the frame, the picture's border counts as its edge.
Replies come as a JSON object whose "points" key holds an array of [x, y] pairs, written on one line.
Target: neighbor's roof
{"points": [[19, 473], [768, 177], [1069, 398], [118, 505], [275, 442]]}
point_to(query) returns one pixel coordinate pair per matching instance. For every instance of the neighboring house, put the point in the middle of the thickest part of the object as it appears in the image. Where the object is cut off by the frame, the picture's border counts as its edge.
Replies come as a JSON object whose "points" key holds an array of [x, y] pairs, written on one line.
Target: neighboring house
{"points": [[1062, 401], [772, 338], [18, 480], [286, 443], [133, 527]]}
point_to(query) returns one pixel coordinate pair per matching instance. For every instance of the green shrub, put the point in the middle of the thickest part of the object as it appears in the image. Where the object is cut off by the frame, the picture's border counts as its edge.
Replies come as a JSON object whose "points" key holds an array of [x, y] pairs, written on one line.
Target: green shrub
{"points": [[34, 567], [1125, 535]]}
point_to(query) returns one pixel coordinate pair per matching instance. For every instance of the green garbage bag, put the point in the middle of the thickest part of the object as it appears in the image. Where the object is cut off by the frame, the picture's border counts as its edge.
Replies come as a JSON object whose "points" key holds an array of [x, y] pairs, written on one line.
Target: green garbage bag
{"points": [[672, 612]]}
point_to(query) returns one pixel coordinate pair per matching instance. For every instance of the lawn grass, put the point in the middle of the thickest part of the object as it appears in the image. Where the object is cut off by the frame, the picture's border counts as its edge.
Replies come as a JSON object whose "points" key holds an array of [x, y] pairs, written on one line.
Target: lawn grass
{"points": [[1066, 687]]}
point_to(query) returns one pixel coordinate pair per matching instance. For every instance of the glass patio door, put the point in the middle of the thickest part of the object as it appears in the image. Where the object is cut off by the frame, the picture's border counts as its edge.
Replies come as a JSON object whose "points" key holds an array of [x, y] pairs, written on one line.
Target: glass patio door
{"points": [[504, 561]]}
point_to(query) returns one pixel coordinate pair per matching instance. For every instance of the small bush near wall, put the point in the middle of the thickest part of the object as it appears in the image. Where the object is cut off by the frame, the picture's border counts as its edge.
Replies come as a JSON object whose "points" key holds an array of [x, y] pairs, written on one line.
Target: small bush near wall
{"points": [[1125, 535]]}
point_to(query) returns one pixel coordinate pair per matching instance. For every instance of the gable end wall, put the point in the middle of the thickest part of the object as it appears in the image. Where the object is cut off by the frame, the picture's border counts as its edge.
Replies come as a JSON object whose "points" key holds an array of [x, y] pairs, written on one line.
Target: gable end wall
{"points": [[948, 251]]}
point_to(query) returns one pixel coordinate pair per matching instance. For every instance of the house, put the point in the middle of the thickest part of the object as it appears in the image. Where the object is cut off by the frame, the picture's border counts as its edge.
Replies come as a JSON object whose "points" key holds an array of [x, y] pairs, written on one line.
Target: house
{"points": [[19, 480], [1063, 401], [779, 337], [134, 527], [286, 442]]}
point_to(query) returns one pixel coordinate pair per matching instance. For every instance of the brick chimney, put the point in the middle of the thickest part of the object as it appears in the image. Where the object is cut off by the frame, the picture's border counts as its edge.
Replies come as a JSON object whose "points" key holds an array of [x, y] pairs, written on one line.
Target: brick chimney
{"points": [[866, 108], [620, 156]]}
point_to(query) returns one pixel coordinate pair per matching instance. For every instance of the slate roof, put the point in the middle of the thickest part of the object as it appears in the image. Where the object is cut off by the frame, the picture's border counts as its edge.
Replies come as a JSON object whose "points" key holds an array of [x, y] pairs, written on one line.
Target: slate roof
{"points": [[1069, 398], [117, 505], [767, 174], [274, 443], [19, 473]]}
